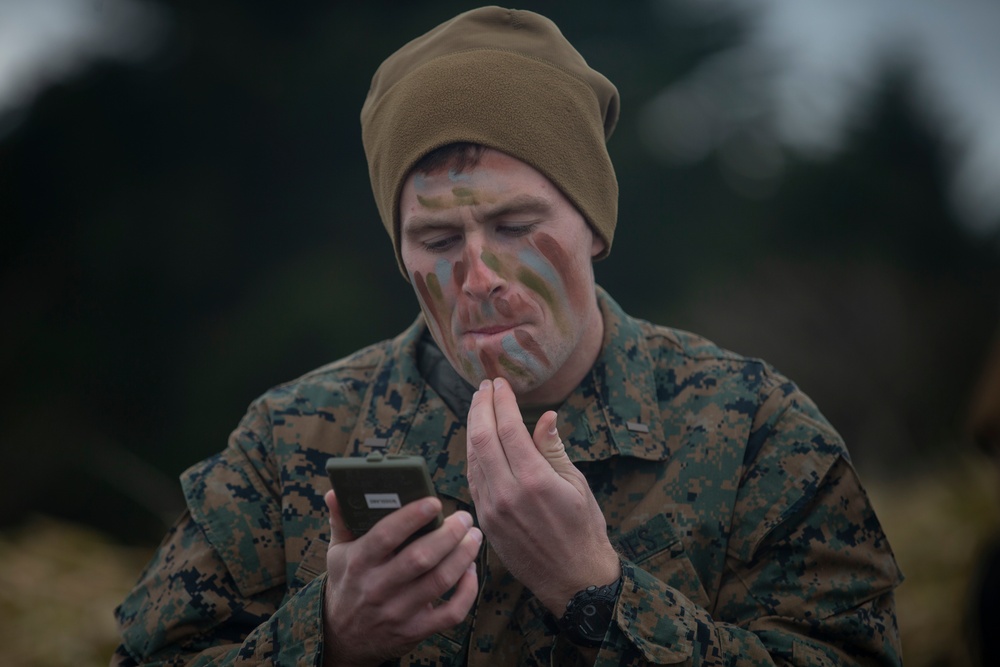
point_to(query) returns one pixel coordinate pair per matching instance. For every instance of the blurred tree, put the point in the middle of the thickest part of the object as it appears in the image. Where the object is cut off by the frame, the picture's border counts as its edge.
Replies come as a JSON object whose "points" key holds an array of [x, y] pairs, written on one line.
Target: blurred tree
{"points": [[857, 280]]}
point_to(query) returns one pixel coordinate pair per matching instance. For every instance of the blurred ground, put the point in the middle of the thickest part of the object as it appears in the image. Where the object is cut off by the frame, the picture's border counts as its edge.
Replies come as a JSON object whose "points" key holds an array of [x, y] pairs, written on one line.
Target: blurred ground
{"points": [[939, 522], [60, 582]]}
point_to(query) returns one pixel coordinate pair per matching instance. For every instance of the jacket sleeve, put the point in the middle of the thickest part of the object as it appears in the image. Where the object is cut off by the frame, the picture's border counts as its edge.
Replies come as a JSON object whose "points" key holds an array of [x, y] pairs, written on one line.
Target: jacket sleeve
{"points": [[809, 575], [217, 591]]}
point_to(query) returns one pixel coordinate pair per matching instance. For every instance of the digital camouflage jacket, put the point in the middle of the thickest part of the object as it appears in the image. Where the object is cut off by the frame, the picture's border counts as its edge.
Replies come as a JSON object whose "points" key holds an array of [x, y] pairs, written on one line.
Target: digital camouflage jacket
{"points": [[745, 535]]}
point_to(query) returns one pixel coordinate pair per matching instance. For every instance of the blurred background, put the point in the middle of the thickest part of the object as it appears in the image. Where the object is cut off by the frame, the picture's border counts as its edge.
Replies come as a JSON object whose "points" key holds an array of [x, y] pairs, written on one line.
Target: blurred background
{"points": [[187, 221]]}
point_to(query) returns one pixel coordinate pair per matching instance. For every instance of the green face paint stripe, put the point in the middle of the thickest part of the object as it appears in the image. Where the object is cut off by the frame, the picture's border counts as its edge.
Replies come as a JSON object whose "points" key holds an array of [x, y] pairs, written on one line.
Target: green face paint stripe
{"points": [[430, 310], [492, 261], [511, 367], [433, 203], [534, 282], [418, 280], [460, 197], [434, 286]]}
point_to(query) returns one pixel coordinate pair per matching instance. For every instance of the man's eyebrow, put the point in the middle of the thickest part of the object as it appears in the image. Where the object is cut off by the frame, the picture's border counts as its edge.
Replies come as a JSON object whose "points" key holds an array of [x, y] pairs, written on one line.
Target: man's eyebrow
{"points": [[519, 205], [418, 225]]}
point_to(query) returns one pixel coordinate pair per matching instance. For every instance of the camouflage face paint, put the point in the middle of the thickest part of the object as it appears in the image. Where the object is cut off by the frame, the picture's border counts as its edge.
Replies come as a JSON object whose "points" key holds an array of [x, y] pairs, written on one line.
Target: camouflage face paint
{"points": [[489, 364], [460, 195], [434, 203], [526, 341], [533, 281], [503, 307], [521, 355], [542, 270], [432, 305], [513, 368], [542, 278], [576, 291], [458, 274], [434, 302], [442, 269], [493, 262], [518, 353], [465, 196], [500, 262]]}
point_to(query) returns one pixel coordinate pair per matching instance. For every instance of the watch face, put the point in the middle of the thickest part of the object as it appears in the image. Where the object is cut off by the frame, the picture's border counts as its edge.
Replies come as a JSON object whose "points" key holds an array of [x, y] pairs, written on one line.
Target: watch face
{"points": [[589, 614], [593, 620]]}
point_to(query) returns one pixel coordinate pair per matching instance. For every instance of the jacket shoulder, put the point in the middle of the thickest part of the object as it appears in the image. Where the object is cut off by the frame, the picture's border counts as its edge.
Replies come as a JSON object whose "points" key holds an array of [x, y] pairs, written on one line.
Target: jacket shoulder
{"points": [[334, 385], [691, 370], [678, 353]]}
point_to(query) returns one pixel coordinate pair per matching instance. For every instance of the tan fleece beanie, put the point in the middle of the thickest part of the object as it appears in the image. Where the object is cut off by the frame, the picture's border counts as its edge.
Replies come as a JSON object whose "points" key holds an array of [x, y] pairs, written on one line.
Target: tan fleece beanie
{"points": [[503, 78]]}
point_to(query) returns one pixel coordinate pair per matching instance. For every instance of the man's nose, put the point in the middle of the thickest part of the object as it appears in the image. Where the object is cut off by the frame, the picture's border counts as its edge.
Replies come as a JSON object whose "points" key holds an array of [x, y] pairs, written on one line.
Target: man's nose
{"points": [[482, 275]]}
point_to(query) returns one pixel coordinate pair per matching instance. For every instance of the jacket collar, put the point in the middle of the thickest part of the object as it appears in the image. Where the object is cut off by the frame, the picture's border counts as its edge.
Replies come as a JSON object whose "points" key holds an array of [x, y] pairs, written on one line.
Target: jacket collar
{"points": [[615, 411]]}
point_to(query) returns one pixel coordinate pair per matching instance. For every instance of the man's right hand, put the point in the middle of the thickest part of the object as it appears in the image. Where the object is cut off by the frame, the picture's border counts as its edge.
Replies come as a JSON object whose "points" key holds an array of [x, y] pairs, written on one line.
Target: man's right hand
{"points": [[379, 604]]}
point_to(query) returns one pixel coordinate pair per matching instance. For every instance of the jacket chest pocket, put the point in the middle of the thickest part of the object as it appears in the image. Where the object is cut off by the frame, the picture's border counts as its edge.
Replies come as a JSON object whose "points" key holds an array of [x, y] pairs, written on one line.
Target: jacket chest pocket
{"points": [[656, 548]]}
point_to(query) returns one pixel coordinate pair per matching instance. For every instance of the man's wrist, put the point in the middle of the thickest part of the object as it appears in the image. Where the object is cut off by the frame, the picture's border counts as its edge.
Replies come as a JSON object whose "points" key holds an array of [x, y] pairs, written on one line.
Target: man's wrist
{"points": [[589, 613]]}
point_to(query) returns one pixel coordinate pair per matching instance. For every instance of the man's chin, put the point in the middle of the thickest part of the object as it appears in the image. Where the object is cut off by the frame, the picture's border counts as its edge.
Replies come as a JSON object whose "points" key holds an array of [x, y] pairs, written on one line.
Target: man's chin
{"points": [[520, 380], [522, 384]]}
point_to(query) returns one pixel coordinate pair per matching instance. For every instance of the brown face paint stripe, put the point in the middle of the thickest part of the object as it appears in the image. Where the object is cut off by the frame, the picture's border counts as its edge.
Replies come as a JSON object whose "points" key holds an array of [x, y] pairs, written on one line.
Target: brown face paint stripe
{"points": [[471, 317], [503, 307], [562, 263], [458, 274], [489, 365], [525, 340]]}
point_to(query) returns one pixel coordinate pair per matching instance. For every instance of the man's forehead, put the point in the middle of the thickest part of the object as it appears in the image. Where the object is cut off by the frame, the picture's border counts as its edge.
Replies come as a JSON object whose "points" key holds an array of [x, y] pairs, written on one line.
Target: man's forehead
{"points": [[488, 163]]}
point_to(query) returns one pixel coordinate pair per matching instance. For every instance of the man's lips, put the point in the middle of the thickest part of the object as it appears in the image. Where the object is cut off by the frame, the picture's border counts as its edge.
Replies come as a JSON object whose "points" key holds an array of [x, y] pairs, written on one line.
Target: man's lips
{"points": [[490, 330]]}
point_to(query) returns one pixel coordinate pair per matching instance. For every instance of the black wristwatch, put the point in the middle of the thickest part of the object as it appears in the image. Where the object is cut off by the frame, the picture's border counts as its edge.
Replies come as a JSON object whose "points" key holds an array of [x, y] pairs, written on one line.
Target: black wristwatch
{"points": [[589, 613]]}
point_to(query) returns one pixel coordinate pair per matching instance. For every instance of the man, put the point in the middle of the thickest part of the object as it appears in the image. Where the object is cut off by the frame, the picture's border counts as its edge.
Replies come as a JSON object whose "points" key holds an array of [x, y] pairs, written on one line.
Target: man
{"points": [[616, 493]]}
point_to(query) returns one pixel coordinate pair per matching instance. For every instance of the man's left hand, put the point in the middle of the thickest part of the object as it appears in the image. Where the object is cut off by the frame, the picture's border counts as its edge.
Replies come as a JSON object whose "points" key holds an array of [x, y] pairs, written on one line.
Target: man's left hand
{"points": [[534, 505]]}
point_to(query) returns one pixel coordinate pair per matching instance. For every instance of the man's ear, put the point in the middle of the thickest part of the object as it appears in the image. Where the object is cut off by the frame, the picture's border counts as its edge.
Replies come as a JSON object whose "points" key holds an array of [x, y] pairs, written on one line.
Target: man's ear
{"points": [[598, 245]]}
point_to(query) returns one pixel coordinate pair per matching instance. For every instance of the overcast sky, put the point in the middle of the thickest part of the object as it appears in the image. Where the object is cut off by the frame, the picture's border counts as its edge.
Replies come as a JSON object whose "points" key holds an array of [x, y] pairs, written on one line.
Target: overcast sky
{"points": [[796, 83], [807, 66], [45, 41]]}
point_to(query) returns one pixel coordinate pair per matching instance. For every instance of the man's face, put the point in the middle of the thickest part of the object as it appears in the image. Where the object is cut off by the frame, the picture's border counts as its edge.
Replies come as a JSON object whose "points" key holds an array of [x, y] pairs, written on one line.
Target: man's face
{"points": [[501, 263]]}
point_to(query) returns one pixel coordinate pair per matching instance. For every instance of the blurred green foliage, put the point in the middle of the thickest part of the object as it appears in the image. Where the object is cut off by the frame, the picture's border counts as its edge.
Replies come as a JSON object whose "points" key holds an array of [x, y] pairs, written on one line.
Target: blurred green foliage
{"points": [[185, 232]]}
